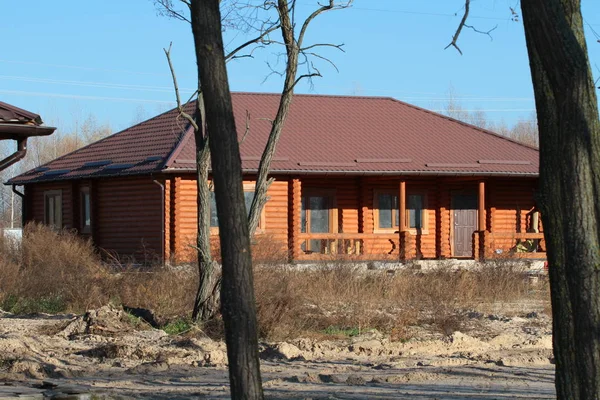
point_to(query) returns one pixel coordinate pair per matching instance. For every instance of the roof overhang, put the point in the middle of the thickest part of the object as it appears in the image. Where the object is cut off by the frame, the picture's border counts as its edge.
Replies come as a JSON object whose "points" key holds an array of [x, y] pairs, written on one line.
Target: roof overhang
{"points": [[22, 131]]}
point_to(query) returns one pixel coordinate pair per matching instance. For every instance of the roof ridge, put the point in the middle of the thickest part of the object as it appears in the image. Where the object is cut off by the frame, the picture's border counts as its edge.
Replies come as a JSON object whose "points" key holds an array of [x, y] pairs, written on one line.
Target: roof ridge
{"points": [[346, 96], [486, 131]]}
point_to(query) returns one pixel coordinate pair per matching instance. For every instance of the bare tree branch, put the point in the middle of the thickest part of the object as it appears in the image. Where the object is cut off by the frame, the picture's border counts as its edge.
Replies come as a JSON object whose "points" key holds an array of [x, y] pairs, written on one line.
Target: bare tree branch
{"points": [[182, 113], [311, 17], [247, 128], [257, 39], [167, 8], [460, 27], [312, 46], [306, 76], [463, 24], [324, 59], [482, 32]]}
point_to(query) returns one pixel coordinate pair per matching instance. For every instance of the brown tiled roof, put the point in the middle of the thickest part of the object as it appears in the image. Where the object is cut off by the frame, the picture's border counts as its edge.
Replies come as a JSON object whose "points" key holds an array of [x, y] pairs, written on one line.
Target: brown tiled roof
{"points": [[323, 134], [12, 114]]}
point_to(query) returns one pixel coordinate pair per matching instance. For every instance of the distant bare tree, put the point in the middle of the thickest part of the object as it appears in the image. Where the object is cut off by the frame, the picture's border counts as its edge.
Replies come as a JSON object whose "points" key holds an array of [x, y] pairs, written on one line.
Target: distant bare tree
{"points": [[63, 141], [525, 130], [453, 108]]}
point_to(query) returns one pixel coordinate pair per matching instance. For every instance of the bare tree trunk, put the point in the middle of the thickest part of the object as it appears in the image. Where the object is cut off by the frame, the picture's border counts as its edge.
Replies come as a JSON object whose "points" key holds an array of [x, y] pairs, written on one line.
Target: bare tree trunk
{"points": [[262, 181], [237, 292], [206, 304], [567, 110], [293, 48]]}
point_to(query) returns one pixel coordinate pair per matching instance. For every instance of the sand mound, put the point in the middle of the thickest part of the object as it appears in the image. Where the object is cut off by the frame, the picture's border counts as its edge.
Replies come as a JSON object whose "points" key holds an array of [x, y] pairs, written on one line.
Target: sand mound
{"points": [[105, 321]]}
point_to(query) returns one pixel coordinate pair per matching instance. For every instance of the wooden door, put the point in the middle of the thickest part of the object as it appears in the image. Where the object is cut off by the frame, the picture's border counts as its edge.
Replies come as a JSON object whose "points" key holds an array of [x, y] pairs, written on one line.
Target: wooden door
{"points": [[464, 207]]}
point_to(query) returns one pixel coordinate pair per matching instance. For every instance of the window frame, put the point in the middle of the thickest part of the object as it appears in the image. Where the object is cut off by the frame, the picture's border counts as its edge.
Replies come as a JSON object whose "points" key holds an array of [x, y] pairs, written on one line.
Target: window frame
{"points": [[56, 194], [395, 228], [248, 187], [83, 191]]}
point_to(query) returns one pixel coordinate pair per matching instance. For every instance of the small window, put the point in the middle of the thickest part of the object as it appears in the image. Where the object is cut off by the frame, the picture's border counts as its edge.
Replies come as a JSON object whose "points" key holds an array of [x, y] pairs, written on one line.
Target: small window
{"points": [[85, 210], [214, 219], [53, 208], [414, 208], [388, 211], [387, 215]]}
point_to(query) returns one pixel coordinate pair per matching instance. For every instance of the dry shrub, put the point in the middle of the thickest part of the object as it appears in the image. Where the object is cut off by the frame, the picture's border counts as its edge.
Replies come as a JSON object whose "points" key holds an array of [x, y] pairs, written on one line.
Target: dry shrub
{"points": [[167, 291], [57, 271], [266, 249], [54, 269]]}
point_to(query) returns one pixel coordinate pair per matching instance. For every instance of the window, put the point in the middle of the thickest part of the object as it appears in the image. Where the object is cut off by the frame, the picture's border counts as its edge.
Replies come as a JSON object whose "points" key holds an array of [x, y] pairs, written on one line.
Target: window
{"points": [[85, 210], [414, 208], [388, 211], [248, 197], [53, 208], [387, 216]]}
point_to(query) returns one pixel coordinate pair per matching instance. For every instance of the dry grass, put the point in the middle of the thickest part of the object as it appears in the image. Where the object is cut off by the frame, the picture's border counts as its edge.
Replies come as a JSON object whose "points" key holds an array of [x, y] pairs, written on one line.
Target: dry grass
{"points": [[58, 272], [292, 302]]}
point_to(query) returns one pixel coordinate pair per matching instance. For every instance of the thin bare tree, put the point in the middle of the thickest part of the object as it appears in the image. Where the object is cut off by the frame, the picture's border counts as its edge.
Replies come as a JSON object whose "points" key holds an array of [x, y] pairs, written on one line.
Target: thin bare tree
{"points": [[263, 19]]}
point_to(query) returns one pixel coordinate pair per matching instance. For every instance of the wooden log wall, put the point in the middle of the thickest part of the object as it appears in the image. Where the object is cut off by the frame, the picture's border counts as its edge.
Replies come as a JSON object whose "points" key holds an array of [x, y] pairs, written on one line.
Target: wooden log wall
{"points": [[129, 215], [35, 200], [184, 226]]}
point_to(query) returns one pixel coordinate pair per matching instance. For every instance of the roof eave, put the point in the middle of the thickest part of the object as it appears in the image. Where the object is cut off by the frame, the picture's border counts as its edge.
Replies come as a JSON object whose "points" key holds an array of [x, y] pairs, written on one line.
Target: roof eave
{"points": [[378, 173]]}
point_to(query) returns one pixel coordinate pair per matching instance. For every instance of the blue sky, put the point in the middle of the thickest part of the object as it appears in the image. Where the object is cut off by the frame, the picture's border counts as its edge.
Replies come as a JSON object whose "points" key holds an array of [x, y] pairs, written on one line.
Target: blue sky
{"points": [[71, 58]]}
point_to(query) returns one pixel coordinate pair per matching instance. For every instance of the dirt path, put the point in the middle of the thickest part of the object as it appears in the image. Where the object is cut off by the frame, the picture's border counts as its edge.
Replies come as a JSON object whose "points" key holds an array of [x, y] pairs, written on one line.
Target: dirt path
{"points": [[104, 355]]}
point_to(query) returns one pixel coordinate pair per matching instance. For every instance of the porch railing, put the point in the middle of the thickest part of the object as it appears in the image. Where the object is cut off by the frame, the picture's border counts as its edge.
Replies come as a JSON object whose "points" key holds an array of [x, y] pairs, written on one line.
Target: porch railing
{"points": [[348, 245], [403, 245], [509, 244]]}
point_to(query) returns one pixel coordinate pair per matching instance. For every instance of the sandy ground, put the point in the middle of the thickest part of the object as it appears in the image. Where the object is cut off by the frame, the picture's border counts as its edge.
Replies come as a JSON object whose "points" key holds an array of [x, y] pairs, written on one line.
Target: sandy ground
{"points": [[101, 355]]}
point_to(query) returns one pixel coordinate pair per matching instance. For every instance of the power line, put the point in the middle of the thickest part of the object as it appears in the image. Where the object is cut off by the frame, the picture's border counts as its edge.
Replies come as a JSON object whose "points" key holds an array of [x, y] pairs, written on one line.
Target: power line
{"points": [[83, 68], [94, 84], [166, 89], [75, 96]]}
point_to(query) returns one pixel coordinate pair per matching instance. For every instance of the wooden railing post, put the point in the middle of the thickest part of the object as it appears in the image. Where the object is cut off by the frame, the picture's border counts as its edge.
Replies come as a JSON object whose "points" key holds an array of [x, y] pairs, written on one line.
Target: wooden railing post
{"points": [[295, 201], [402, 206], [402, 239], [480, 245], [476, 245], [481, 206]]}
